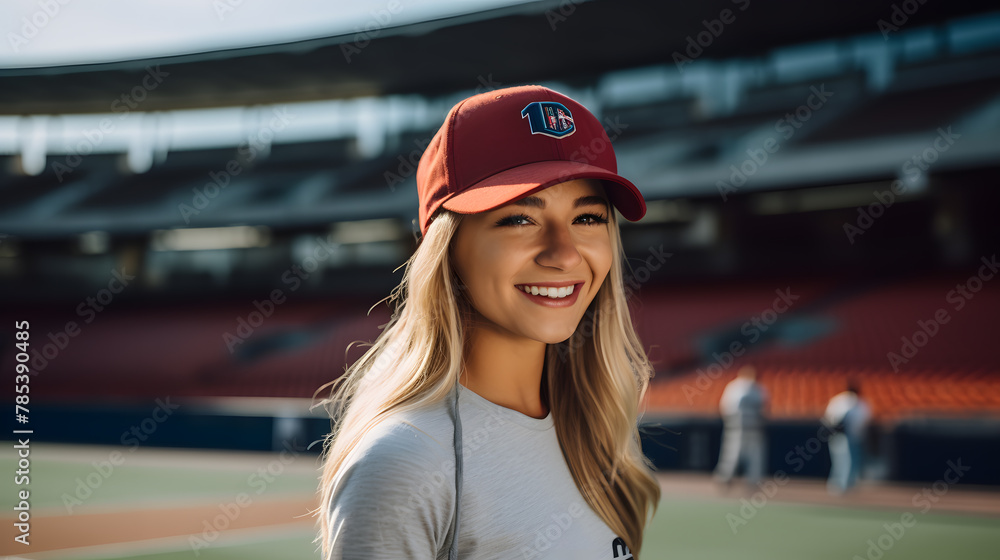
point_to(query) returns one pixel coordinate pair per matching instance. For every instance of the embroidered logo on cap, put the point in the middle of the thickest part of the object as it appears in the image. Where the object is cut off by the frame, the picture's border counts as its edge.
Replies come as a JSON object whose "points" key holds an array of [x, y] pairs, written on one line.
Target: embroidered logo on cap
{"points": [[549, 118]]}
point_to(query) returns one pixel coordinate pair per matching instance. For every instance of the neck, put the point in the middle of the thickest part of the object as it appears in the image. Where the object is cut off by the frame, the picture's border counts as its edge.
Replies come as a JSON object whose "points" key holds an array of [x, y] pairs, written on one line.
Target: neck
{"points": [[505, 369]]}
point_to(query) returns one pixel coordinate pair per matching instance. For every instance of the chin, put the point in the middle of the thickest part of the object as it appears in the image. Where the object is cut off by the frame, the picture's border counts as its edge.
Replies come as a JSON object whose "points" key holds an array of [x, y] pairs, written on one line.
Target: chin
{"points": [[553, 337]]}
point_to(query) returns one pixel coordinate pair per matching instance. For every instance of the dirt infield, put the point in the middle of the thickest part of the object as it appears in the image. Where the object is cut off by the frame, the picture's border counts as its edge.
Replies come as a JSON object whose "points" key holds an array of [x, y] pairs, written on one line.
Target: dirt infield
{"points": [[201, 525]]}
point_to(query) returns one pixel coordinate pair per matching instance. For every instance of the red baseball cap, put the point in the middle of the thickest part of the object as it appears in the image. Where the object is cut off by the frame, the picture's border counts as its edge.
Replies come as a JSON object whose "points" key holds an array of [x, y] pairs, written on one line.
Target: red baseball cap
{"points": [[505, 144]]}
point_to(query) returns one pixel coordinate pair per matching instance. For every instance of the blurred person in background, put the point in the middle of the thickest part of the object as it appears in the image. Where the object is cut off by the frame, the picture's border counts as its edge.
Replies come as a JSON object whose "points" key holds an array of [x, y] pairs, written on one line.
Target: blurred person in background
{"points": [[847, 416], [511, 327], [743, 440]]}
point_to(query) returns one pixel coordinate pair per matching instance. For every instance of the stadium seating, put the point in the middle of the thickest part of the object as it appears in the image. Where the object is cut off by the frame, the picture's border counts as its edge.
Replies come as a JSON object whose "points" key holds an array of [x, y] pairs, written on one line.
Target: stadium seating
{"points": [[829, 335]]}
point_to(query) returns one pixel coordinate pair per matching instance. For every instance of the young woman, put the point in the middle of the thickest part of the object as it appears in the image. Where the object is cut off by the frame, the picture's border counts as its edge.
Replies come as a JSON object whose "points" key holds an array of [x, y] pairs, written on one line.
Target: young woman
{"points": [[496, 415]]}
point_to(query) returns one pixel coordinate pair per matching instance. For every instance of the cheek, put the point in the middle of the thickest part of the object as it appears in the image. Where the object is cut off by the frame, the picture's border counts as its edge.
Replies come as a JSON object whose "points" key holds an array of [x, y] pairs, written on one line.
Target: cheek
{"points": [[599, 255], [481, 268]]}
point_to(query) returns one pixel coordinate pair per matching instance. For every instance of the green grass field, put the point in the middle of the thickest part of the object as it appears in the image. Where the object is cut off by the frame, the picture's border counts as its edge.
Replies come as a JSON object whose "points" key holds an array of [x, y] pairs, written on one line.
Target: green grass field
{"points": [[684, 527]]}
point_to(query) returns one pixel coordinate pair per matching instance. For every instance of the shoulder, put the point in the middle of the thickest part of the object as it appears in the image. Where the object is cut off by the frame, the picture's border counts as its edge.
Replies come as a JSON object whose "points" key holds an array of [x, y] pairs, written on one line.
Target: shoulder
{"points": [[407, 452], [394, 495], [406, 445]]}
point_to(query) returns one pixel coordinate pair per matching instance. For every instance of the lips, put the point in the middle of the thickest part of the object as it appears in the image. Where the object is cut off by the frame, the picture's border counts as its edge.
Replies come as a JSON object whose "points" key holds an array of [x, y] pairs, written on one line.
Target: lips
{"points": [[547, 301]]}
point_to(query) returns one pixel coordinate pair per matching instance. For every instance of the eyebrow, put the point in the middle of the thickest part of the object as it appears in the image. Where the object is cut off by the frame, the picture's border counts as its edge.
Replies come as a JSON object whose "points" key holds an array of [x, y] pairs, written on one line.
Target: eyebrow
{"points": [[536, 202]]}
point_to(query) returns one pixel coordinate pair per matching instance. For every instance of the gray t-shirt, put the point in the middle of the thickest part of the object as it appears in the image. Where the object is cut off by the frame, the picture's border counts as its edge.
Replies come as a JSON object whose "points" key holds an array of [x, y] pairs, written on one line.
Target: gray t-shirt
{"points": [[394, 498]]}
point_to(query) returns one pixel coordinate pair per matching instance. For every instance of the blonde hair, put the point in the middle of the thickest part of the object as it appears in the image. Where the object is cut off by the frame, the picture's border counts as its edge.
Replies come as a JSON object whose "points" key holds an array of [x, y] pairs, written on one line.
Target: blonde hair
{"points": [[594, 382]]}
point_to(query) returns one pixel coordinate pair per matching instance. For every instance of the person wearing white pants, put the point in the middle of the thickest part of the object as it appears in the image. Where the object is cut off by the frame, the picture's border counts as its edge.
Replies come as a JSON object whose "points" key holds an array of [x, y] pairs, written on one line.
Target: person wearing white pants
{"points": [[847, 416], [743, 439]]}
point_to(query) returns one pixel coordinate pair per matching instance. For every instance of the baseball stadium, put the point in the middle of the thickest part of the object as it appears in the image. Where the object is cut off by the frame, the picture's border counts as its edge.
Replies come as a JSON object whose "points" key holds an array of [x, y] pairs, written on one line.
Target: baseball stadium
{"points": [[205, 206]]}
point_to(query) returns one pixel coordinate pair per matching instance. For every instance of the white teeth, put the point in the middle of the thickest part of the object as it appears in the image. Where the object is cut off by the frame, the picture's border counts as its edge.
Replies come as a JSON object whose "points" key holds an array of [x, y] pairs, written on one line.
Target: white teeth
{"points": [[554, 293]]}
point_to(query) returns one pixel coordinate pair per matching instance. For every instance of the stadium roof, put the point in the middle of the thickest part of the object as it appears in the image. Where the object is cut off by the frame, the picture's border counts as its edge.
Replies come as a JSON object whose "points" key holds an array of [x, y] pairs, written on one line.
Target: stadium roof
{"points": [[570, 40]]}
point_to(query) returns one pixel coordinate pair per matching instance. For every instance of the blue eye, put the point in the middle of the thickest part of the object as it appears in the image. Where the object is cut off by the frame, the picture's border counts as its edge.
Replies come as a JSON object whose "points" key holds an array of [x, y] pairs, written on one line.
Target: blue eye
{"points": [[513, 220]]}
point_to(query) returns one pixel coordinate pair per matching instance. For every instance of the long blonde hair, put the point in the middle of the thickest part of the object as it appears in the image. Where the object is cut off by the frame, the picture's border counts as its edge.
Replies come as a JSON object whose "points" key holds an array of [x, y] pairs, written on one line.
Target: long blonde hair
{"points": [[594, 382]]}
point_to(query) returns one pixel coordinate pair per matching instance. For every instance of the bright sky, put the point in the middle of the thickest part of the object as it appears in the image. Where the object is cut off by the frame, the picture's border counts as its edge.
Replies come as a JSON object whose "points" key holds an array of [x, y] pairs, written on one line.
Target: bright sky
{"points": [[56, 32]]}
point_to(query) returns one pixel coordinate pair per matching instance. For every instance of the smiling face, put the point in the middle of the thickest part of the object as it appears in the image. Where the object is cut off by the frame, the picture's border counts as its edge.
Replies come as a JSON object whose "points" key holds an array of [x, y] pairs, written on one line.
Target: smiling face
{"points": [[554, 241]]}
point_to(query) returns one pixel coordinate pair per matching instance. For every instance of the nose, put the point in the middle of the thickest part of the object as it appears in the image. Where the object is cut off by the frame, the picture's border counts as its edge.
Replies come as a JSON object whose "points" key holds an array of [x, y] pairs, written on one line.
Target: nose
{"points": [[559, 248]]}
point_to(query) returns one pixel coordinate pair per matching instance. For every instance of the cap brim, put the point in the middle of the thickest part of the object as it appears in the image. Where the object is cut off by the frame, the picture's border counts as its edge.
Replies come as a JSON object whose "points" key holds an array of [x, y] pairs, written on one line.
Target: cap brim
{"points": [[512, 184]]}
